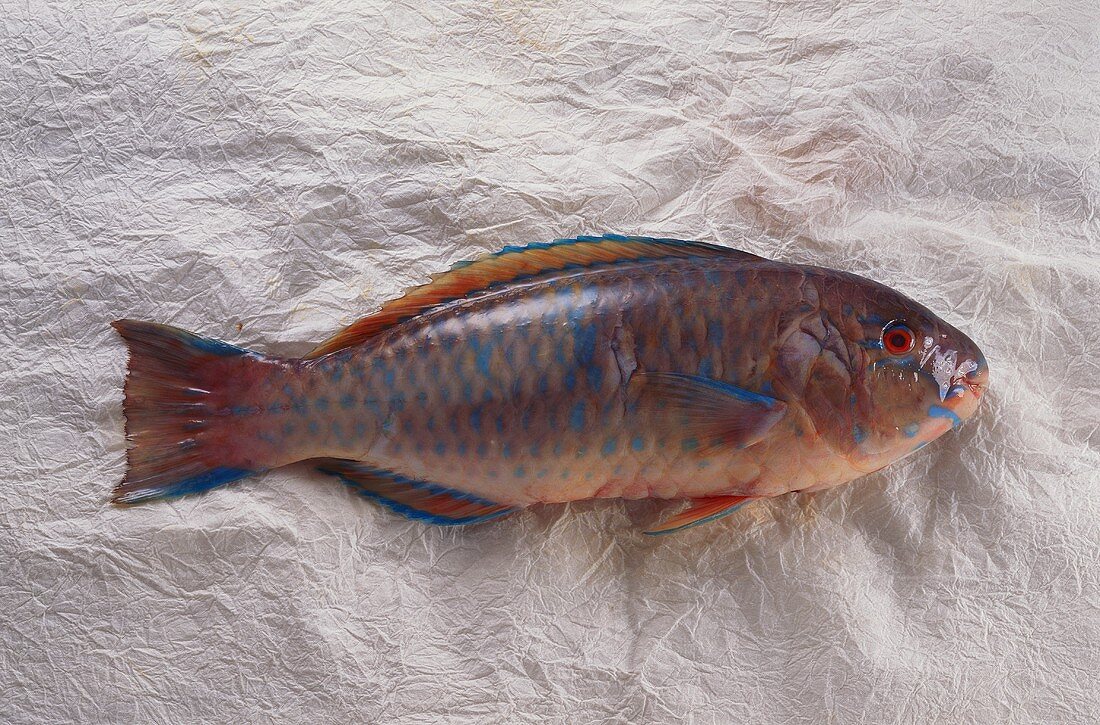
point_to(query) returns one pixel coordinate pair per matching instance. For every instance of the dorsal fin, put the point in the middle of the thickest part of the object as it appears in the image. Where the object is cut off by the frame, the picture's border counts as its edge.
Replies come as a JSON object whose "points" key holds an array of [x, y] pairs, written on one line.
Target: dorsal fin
{"points": [[513, 264]]}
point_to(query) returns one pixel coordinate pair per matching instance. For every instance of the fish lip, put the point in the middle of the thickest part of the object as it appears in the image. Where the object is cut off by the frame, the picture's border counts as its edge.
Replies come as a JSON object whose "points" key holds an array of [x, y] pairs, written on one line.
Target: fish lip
{"points": [[978, 380], [964, 395]]}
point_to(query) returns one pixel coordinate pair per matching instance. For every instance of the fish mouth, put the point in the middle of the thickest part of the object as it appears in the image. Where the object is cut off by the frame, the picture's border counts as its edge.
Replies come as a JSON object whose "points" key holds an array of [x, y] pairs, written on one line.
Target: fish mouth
{"points": [[974, 383], [966, 391]]}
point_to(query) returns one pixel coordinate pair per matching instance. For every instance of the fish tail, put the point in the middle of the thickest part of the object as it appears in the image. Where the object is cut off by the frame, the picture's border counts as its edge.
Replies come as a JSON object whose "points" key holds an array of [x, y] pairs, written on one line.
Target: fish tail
{"points": [[182, 418]]}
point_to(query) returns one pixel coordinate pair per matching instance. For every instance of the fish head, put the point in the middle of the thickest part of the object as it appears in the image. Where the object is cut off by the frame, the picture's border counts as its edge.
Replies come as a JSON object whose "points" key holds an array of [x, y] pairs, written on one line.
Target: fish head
{"points": [[920, 377]]}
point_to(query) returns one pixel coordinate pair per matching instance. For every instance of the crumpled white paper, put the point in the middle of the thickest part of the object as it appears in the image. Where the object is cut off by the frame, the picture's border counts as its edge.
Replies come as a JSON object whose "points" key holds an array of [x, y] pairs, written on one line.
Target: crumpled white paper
{"points": [[265, 174]]}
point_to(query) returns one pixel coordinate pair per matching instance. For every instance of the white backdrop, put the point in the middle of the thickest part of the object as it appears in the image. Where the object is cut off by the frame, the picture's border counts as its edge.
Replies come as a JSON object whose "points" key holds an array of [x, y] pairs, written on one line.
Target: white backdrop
{"points": [[266, 174]]}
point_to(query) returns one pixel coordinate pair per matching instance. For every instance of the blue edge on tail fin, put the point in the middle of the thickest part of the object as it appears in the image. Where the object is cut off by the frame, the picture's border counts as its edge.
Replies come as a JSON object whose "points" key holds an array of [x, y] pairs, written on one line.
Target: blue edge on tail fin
{"points": [[165, 405]]}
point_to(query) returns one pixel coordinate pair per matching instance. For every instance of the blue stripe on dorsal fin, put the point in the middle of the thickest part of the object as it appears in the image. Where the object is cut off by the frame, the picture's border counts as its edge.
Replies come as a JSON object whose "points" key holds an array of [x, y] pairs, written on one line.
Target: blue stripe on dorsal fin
{"points": [[413, 499], [513, 264]]}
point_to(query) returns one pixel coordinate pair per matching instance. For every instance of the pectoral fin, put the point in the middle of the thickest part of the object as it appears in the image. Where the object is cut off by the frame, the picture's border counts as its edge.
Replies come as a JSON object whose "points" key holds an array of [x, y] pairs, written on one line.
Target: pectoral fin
{"points": [[714, 413], [701, 511]]}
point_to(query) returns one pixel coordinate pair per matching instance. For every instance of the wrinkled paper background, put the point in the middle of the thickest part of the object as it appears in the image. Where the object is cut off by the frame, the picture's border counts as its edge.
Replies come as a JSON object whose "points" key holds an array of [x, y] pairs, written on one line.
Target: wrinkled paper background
{"points": [[266, 174]]}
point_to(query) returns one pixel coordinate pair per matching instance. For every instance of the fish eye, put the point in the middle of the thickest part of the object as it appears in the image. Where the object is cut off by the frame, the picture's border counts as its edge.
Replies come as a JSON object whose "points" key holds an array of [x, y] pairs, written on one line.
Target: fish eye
{"points": [[897, 338]]}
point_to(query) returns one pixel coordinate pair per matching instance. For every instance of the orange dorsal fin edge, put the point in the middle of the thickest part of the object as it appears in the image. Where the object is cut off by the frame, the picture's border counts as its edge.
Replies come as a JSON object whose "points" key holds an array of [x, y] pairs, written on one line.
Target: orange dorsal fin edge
{"points": [[514, 264]]}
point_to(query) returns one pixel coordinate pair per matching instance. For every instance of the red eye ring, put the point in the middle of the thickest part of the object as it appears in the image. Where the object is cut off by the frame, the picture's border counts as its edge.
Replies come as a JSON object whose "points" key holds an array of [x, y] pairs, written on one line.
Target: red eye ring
{"points": [[897, 338]]}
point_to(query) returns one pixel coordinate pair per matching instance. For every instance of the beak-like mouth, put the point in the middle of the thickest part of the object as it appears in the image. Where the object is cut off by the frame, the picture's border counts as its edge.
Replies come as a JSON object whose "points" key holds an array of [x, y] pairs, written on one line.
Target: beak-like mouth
{"points": [[977, 381], [974, 382], [965, 393]]}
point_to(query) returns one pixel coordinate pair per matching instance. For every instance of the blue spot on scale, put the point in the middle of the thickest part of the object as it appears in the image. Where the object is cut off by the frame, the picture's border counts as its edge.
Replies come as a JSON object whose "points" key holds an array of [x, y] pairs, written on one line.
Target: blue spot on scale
{"points": [[689, 444], [859, 434], [638, 443], [576, 416], [715, 333], [475, 419], [347, 401], [440, 448], [484, 356], [520, 471], [911, 430], [609, 446]]}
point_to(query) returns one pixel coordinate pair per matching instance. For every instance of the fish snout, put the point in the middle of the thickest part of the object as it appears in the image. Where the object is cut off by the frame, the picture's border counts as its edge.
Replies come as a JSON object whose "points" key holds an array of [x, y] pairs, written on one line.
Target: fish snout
{"points": [[977, 380], [967, 387]]}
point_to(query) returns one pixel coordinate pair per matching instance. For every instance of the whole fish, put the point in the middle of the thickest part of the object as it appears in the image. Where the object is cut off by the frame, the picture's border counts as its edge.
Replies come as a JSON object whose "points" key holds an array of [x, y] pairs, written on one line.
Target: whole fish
{"points": [[595, 367]]}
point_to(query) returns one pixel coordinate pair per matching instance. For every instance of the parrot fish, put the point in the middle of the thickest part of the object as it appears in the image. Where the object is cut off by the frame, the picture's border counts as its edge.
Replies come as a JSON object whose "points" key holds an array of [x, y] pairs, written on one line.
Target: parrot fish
{"points": [[594, 367]]}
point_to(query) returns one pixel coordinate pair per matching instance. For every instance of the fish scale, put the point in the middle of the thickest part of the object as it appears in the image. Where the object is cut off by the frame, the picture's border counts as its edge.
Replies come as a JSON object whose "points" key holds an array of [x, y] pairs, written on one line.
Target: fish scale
{"points": [[589, 368], [579, 409]]}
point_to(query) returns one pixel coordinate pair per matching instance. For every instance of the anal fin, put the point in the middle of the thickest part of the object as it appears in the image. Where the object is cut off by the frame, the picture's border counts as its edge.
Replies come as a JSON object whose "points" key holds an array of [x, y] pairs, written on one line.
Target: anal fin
{"points": [[413, 499], [702, 510]]}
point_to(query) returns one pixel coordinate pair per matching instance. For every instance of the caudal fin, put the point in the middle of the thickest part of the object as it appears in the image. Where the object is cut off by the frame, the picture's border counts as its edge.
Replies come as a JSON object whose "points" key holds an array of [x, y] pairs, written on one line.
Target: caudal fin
{"points": [[179, 404]]}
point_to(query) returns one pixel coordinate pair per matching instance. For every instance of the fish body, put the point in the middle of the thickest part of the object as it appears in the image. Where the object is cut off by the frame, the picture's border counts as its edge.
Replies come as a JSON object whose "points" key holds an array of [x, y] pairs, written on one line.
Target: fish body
{"points": [[609, 367]]}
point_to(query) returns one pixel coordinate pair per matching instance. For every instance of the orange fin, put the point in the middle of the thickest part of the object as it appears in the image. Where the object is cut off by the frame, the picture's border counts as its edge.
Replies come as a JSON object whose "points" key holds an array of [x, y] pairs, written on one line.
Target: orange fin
{"points": [[514, 264], [701, 511], [413, 499], [713, 413]]}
